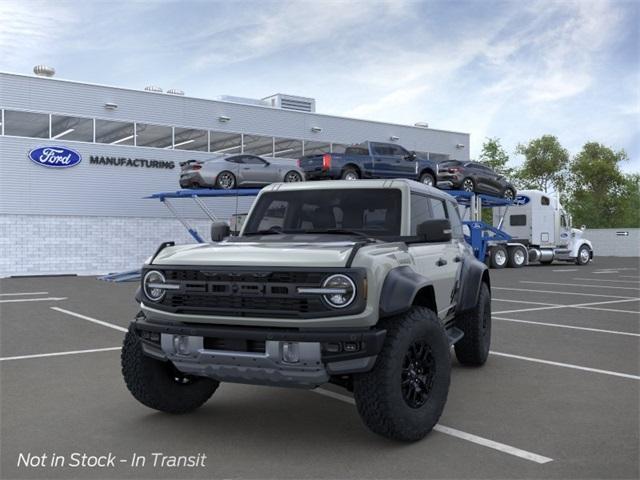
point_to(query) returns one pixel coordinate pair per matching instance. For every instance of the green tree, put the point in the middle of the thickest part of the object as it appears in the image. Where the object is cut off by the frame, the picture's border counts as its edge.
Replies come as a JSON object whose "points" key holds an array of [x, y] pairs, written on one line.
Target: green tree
{"points": [[545, 164], [493, 155], [600, 195]]}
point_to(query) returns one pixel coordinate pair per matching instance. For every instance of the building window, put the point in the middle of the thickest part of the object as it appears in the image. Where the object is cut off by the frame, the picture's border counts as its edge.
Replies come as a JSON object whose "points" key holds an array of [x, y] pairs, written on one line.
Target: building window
{"points": [[316, 148], [190, 139], [225, 143], [258, 145], [157, 136], [71, 128], [287, 148], [26, 124], [114, 133]]}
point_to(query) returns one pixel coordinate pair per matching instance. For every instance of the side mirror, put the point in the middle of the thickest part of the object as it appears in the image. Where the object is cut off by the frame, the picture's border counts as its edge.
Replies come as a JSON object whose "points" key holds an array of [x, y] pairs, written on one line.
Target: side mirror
{"points": [[411, 157], [219, 231], [435, 230]]}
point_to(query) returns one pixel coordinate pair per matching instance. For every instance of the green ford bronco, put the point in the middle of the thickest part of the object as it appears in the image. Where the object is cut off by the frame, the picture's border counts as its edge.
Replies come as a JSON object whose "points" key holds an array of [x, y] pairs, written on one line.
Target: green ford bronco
{"points": [[363, 284]]}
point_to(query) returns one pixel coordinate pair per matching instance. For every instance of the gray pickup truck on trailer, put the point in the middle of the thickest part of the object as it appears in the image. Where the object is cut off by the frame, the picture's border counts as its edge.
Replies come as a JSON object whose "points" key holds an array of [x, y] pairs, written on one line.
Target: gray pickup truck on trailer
{"points": [[362, 284]]}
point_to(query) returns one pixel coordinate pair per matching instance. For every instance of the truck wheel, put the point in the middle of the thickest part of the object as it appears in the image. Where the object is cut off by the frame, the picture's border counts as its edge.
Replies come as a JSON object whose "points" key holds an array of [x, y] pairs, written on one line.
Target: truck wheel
{"points": [[509, 194], [499, 256], [473, 348], [517, 257], [404, 394], [159, 385], [428, 179], [350, 173], [584, 255]]}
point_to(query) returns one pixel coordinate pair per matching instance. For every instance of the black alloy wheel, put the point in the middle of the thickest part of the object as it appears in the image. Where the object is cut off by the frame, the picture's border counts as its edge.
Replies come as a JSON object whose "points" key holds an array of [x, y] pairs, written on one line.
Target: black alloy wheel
{"points": [[418, 373]]}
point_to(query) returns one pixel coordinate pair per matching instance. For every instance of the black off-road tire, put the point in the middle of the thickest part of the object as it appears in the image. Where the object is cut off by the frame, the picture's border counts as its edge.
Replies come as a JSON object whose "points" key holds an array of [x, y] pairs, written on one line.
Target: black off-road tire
{"points": [[473, 348], [158, 384], [509, 194], [379, 392]]}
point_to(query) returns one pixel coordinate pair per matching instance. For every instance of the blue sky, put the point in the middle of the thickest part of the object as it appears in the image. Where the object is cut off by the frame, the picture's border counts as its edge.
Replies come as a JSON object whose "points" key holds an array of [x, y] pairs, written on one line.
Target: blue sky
{"points": [[513, 70]]}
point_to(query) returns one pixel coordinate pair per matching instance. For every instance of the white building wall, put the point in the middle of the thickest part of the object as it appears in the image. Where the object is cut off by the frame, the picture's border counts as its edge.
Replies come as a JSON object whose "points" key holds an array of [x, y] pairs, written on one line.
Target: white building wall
{"points": [[612, 242], [67, 244]]}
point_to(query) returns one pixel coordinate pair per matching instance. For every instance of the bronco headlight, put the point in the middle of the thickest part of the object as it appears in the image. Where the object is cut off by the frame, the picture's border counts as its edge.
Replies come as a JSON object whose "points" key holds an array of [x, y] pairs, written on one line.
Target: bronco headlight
{"points": [[340, 291], [154, 285]]}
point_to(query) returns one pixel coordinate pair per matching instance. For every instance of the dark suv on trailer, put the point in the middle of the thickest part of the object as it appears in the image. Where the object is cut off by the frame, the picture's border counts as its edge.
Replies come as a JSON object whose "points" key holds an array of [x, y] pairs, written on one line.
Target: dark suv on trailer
{"points": [[474, 177]]}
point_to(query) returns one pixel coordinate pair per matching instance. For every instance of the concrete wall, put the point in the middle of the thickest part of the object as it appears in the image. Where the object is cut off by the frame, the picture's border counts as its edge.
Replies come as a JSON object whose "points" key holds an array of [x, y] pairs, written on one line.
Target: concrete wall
{"points": [[608, 243]]}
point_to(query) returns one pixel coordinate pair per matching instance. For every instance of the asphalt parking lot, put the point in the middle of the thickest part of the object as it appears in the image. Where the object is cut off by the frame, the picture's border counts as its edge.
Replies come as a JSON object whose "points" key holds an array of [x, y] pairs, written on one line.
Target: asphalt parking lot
{"points": [[558, 398]]}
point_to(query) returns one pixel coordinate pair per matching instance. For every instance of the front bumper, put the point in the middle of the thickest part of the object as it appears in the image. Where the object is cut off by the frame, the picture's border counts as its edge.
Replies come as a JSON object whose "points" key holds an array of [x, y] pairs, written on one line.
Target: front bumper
{"points": [[256, 355]]}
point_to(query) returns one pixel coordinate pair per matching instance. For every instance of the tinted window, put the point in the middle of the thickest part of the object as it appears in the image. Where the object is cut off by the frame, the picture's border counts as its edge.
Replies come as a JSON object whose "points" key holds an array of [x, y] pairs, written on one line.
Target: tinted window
{"points": [[221, 142], [544, 201], [235, 159], [71, 128], [357, 151], [454, 218], [158, 136], [287, 148], [381, 149], [398, 151], [375, 212], [114, 133], [437, 209], [258, 145], [251, 160], [26, 124], [419, 211], [191, 139], [518, 220]]}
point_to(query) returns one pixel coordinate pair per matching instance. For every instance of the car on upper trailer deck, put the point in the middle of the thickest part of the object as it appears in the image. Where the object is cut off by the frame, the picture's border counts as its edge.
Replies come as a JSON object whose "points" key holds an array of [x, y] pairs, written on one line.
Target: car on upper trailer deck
{"points": [[474, 177]]}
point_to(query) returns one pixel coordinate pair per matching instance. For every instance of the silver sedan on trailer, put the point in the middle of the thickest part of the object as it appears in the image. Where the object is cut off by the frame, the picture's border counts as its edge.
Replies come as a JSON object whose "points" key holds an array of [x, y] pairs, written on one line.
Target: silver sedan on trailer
{"points": [[238, 171]]}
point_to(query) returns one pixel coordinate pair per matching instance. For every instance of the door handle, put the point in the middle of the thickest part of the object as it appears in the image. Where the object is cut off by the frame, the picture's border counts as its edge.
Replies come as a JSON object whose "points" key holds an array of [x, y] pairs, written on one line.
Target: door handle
{"points": [[457, 259], [441, 262]]}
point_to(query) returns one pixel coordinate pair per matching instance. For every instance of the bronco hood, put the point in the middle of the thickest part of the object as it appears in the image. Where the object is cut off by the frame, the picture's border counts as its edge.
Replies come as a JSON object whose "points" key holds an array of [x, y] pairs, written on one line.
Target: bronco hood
{"points": [[271, 254]]}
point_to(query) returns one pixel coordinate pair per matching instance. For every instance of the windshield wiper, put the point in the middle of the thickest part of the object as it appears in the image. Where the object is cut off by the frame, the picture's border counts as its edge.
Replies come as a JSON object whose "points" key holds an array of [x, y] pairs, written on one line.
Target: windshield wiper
{"points": [[341, 231]]}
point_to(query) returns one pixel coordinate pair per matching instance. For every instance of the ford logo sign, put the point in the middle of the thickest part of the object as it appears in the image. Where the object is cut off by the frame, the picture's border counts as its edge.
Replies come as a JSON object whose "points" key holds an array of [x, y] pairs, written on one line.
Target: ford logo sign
{"points": [[521, 200], [55, 157]]}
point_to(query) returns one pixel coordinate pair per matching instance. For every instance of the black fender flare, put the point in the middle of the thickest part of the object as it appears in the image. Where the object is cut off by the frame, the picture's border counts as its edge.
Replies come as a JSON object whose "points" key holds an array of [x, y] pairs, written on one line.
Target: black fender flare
{"points": [[473, 273], [399, 290]]}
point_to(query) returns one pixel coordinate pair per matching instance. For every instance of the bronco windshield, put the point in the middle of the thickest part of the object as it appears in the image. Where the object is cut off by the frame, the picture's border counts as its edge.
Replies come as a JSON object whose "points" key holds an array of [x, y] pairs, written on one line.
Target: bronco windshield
{"points": [[374, 212]]}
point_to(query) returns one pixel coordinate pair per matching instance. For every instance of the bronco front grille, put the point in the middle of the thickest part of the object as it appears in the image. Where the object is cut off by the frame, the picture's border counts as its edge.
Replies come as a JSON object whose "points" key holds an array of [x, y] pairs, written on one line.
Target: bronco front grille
{"points": [[253, 293]]}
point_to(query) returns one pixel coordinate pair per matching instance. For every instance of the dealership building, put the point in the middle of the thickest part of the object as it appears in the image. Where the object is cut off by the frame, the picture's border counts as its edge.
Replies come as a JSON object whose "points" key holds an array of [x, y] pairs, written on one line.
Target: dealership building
{"points": [[91, 217]]}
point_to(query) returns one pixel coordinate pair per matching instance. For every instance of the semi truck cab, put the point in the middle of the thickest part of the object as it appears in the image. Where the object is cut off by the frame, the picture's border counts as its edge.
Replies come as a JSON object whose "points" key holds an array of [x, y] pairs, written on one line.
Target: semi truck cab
{"points": [[538, 221]]}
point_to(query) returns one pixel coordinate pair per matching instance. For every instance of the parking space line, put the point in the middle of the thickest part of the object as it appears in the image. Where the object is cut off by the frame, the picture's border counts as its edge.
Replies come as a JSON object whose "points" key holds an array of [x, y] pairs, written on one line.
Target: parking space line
{"points": [[469, 437], [545, 324], [606, 280], [628, 276], [89, 319], [20, 300], [22, 293], [588, 306], [580, 285], [566, 270], [525, 301], [528, 290], [58, 354], [566, 365]]}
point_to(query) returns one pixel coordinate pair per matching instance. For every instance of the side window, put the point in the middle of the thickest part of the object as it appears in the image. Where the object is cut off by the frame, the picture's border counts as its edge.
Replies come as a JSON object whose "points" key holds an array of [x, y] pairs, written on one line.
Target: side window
{"points": [[419, 211], [438, 209], [518, 220], [454, 218], [398, 151], [253, 160], [563, 221], [545, 201], [381, 149], [234, 159]]}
